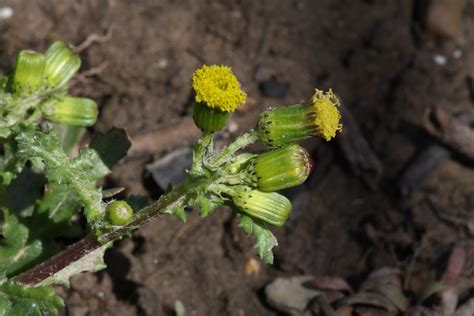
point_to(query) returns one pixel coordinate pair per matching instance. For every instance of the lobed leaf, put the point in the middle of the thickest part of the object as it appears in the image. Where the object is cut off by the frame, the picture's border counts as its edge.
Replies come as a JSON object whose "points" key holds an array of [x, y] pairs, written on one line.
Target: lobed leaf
{"points": [[17, 300], [265, 240], [17, 250]]}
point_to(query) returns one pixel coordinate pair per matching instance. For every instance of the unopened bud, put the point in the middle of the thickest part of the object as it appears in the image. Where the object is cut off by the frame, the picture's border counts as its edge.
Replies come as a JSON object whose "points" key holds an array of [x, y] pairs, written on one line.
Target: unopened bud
{"points": [[29, 72], [71, 111], [270, 207], [61, 65], [281, 168], [119, 213]]}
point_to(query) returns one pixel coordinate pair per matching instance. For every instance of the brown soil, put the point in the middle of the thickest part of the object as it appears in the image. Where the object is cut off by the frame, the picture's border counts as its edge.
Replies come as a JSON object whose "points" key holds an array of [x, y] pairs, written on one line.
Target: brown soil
{"points": [[377, 57]]}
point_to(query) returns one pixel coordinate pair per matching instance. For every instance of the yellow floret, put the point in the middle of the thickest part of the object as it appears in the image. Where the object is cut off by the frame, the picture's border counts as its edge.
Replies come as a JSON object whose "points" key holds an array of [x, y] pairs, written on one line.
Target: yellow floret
{"points": [[327, 116], [217, 87]]}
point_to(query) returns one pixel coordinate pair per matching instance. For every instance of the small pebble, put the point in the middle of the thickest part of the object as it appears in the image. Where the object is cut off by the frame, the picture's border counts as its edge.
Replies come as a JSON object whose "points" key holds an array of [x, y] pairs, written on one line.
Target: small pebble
{"points": [[162, 63], [440, 59], [233, 126], [6, 13], [252, 267], [457, 54]]}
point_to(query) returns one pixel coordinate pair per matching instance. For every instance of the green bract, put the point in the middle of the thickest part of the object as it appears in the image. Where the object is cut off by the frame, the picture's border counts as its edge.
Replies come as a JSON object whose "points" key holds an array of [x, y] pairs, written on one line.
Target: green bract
{"points": [[209, 120], [290, 124], [270, 207], [281, 168], [71, 111], [61, 65], [29, 72]]}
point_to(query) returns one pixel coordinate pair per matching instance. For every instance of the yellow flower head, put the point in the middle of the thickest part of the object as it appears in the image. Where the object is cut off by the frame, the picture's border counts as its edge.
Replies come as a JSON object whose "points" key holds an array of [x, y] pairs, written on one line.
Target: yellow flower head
{"points": [[327, 116], [218, 88]]}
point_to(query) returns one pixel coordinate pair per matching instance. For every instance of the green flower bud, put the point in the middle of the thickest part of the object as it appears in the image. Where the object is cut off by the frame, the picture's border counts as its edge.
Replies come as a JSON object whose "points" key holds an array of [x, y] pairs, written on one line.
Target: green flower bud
{"points": [[71, 111], [208, 119], [270, 207], [280, 169], [290, 124], [61, 65], [119, 213], [29, 72]]}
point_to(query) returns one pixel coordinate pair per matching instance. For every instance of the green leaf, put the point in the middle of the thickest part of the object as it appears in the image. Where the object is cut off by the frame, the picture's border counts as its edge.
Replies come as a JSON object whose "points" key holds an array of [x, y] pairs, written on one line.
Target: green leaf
{"points": [[90, 163], [265, 240], [179, 212], [79, 174], [17, 251], [10, 163], [112, 146], [206, 204], [53, 213], [16, 300]]}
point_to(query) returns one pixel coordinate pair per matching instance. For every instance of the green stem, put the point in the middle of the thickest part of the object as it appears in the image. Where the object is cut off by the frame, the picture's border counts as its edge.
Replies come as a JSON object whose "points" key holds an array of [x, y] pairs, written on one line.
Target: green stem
{"points": [[90, 243], [200, 152], [240, 142]]}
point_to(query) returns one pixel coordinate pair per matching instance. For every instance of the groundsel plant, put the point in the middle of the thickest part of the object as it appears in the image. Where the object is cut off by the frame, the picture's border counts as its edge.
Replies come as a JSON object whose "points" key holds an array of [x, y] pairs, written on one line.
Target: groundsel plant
{"points": [[45, 190]]}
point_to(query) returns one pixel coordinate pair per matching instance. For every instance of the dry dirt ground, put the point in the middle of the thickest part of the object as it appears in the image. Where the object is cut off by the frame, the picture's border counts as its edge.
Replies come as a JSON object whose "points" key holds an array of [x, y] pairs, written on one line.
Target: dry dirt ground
{"points": [[380, 57]]}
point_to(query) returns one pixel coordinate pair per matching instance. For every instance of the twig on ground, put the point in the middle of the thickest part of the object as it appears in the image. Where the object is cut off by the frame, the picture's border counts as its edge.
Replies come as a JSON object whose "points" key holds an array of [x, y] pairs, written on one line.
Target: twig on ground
{"points": [[421, 167], [451, 131], [94, 38], [357, 151]]}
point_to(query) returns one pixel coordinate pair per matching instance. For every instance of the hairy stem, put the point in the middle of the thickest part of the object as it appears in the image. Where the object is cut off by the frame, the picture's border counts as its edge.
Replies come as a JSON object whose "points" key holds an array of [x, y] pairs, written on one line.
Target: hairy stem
{"points": [[90, 243], [240, 142]]}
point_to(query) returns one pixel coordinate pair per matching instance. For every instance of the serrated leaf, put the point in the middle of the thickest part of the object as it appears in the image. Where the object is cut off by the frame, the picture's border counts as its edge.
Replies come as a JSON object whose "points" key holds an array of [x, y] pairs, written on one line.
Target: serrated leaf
{"points": [[91, 164], [79, 174], [264, 239], [179, 212], [206, 205], [54, 211], [18, 300], [17, 251], [10, 163], [111, 146]]}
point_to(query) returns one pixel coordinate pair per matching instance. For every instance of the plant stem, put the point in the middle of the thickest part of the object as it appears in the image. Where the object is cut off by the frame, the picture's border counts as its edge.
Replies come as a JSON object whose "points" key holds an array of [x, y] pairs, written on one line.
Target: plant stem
{"points": [[204, 144], [195, 182], [90, 242], [240, 142]]}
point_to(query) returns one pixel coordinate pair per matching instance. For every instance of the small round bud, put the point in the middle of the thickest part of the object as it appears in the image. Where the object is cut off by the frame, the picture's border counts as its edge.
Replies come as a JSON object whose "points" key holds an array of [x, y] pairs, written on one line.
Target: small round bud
{"points": [[71, 111], [29, 72], [208, 119], [61, 65], [270, 207], [281, 168], [119, 213], [290, 124]]}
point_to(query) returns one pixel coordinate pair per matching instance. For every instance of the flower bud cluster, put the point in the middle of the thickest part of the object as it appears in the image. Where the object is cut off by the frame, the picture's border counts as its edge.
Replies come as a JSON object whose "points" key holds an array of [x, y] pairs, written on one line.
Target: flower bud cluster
{"points": [[252, 185], [46, 76]]}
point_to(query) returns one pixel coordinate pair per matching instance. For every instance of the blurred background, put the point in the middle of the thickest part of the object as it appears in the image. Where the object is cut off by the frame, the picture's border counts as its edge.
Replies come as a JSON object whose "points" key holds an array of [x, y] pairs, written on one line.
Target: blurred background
{"points": [[384, 225]]}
